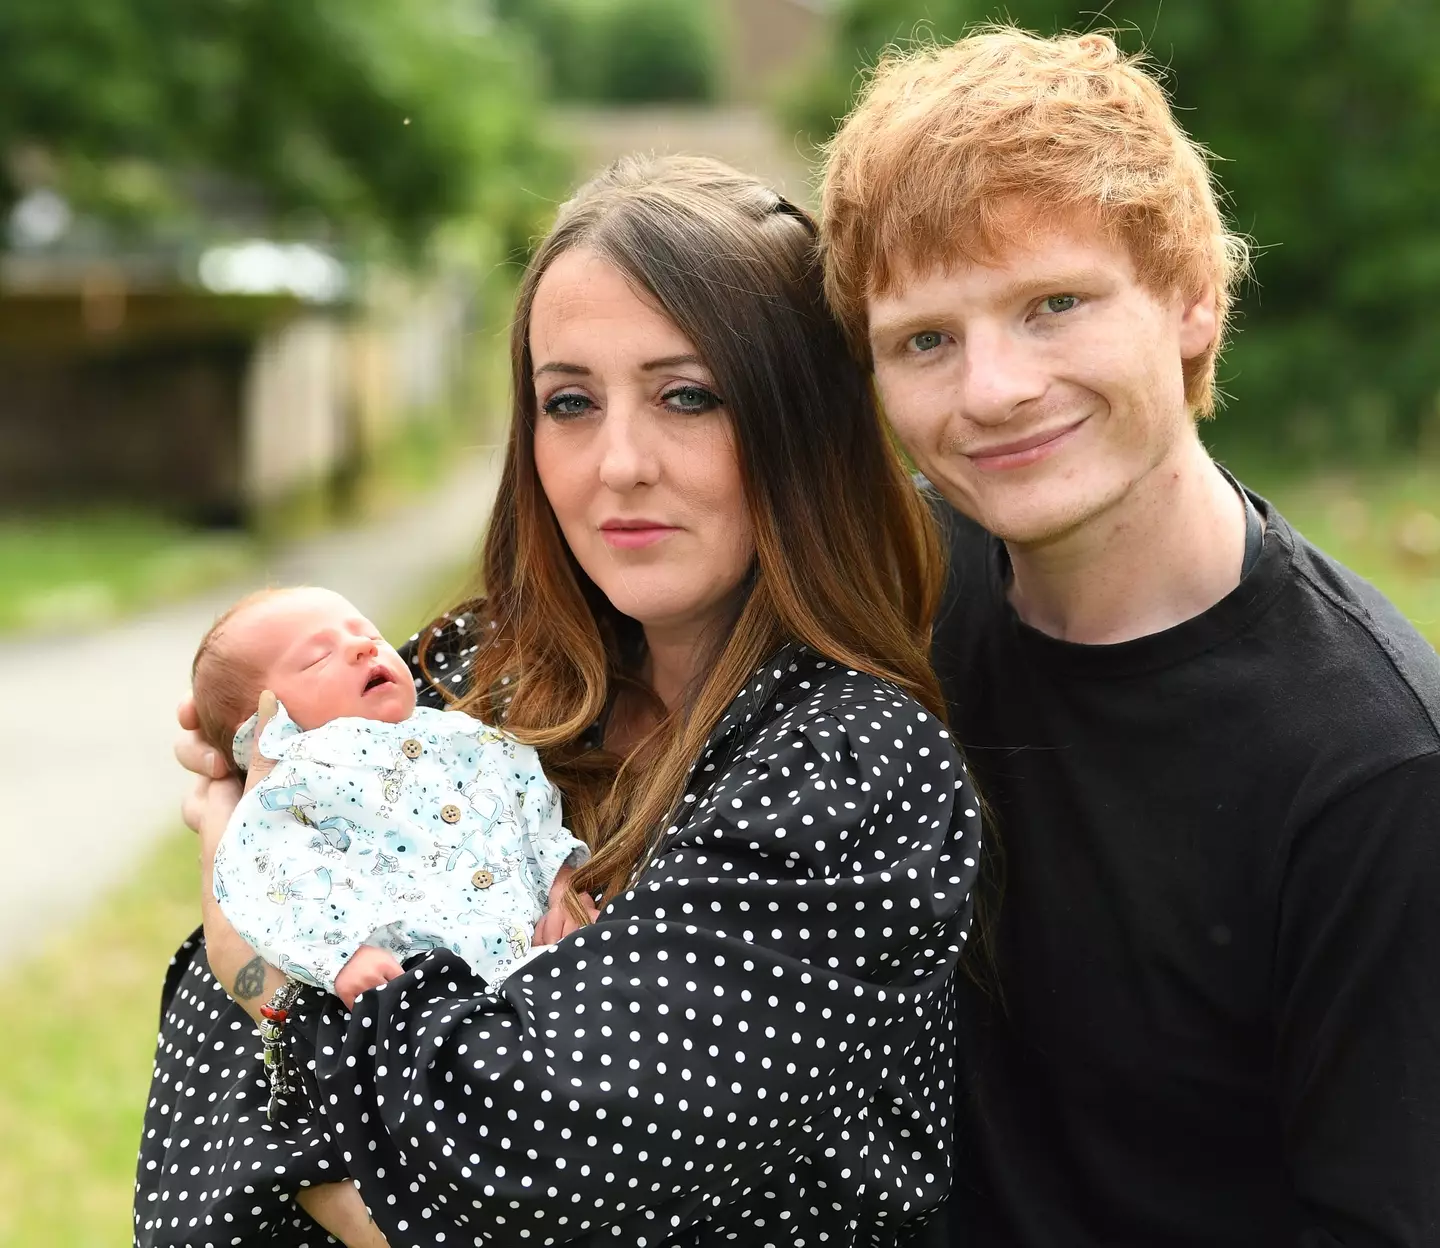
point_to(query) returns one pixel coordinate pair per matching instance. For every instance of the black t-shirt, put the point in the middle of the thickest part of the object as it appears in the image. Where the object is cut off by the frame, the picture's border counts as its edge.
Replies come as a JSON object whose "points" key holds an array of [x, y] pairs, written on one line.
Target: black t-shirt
{"points": [[1218, 947]]}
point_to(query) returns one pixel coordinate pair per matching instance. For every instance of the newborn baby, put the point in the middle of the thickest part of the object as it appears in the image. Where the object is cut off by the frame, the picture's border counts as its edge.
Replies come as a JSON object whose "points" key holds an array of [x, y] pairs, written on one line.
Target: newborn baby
{"points": [[383, 830]]}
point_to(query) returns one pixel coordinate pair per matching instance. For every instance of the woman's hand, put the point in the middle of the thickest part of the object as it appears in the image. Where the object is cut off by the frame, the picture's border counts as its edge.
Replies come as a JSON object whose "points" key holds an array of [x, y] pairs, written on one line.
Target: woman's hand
{"points": [[214, 786], [207, 810], [216, 792]]}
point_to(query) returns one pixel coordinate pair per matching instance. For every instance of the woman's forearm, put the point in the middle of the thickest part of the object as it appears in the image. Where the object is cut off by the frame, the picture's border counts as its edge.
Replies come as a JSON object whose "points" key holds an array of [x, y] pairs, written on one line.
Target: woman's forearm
{"points": [[247, 977]]}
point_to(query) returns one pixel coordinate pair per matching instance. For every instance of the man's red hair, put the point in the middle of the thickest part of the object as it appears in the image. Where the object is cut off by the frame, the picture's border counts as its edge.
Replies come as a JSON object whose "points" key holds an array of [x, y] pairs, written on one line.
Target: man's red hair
{"points": [[947, 140]]}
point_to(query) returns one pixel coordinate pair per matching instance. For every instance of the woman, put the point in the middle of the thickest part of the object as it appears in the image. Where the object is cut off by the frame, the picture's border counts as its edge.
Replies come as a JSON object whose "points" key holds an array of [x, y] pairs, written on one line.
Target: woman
{"points": [[709, 586]]}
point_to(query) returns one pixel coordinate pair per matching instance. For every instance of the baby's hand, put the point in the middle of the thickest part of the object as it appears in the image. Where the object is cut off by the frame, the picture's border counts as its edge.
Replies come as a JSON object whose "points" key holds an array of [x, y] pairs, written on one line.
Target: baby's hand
{"points": [[368, 968], [559, 921]]}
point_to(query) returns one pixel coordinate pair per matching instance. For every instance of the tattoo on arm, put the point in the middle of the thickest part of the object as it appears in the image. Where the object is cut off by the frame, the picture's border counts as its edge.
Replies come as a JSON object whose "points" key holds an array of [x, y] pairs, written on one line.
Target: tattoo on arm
{"points": [[251, 980]]}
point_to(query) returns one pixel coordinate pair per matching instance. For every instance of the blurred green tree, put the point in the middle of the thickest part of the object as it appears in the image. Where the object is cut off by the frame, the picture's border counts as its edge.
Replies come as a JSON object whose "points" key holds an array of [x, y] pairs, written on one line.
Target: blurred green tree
{"points": [[1325, 117], [622, 51], [367, 117]]}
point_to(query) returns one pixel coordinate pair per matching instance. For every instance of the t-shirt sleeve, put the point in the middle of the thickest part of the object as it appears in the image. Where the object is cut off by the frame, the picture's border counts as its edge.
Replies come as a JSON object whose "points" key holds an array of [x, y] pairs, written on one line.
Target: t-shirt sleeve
{"points": [[789, 950], [1358, 1024]]}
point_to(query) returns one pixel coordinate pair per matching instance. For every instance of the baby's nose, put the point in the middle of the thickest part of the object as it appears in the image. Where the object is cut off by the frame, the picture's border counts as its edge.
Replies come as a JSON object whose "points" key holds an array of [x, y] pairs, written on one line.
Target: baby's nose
{"points": [[363, 648]]}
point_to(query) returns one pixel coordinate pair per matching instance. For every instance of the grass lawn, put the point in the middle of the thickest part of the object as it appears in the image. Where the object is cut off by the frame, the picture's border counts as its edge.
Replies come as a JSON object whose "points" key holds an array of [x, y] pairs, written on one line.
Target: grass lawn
{"points": [[97, 566], [77, 1060]]}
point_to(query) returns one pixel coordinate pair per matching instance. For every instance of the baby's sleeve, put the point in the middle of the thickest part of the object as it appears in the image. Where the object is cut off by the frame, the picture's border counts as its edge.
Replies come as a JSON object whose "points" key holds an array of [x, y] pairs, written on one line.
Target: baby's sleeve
{"points": [[542, 816]]}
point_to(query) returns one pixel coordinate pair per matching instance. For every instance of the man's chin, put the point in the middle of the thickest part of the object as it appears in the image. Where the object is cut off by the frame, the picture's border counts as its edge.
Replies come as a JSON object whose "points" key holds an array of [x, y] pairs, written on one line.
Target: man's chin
{"points": [[1036, 520]]}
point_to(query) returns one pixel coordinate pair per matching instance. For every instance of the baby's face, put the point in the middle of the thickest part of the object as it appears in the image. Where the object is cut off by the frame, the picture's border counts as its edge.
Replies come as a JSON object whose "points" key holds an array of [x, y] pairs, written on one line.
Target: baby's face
{"points": [[323, 659]]}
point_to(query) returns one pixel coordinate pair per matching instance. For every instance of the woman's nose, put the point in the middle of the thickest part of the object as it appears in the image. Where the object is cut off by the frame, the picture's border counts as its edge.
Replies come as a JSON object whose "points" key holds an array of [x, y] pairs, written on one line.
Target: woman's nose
{"points": [[628, 451]]}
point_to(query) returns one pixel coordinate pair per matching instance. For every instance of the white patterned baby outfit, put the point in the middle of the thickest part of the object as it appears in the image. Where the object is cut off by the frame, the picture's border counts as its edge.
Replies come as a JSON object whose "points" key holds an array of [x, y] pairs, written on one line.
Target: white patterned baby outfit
{"points": [[434, 833]]}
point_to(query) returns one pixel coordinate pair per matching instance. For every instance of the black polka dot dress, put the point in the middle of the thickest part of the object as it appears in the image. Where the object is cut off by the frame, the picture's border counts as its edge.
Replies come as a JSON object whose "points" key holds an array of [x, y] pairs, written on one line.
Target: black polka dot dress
{"points": [[753, 1045]]}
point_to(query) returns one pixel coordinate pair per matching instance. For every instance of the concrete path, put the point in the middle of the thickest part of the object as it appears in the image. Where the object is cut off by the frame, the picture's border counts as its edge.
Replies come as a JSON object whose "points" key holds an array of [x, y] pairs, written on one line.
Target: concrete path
{"points": [[87, 779]]}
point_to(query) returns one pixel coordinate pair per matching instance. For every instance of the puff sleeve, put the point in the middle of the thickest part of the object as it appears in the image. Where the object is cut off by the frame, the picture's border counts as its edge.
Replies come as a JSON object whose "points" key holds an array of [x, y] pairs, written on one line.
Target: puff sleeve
{"points": [[755, 1040]]}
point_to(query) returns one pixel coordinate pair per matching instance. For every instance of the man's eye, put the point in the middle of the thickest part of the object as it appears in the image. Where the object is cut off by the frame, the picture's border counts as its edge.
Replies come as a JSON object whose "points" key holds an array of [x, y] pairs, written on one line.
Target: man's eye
{"points": [[927, 340], [1058, 303], [563, 405]]}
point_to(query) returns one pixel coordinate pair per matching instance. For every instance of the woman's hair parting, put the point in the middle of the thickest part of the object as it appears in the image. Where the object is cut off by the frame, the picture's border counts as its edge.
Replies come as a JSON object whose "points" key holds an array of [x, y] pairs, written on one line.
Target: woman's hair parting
{"points": [[847, 560], [947, 140]]}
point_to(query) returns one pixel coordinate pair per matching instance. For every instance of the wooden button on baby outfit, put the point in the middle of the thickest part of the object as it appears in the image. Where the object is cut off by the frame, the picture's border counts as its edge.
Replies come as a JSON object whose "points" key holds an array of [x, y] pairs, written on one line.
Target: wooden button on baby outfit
{"points": [[451, 814], [482, 879], [411, 747]]}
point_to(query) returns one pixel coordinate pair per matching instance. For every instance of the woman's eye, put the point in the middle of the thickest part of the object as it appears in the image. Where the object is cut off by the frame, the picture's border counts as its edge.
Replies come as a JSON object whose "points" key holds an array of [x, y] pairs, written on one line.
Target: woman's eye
{"points": [[691, 399], [1058, 303], [927, 340], [563, 405]]}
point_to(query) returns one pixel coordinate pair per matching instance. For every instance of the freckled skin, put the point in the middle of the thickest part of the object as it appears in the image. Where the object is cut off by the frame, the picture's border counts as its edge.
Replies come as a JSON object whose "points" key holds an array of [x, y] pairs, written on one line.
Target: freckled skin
{"points": [[1055, 335]]}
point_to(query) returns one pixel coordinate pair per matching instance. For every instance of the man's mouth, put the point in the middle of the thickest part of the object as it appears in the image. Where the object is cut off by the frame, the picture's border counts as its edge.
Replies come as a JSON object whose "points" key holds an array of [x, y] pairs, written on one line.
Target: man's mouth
{"points": [[1023, 451]]}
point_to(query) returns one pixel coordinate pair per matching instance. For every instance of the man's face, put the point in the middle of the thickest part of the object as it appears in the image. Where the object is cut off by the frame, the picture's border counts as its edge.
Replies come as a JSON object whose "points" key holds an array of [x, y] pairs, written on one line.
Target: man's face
{"points": [[1035, 391]]}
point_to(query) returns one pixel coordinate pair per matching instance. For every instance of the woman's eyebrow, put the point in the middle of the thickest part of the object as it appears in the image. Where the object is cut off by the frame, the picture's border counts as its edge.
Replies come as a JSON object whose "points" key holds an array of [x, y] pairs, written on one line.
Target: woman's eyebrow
{"points": [[671, 361], [650, 366], [570, 370]]}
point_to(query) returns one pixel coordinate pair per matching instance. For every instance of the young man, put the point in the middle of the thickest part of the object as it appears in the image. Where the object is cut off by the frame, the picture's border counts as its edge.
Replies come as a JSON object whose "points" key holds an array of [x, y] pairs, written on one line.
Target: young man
{"points": [[1212, 753]]}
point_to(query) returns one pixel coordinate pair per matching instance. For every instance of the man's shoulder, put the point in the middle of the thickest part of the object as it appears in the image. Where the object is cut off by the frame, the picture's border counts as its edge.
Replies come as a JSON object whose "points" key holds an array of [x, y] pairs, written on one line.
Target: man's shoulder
{"points": [[1353, 640]]}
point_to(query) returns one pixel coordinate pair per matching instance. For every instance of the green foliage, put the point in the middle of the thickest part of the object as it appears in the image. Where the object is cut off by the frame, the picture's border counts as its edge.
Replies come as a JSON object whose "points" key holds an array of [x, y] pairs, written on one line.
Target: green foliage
{"points": [[622, 51], [103, 564], [372, 117], [1325, 115]]}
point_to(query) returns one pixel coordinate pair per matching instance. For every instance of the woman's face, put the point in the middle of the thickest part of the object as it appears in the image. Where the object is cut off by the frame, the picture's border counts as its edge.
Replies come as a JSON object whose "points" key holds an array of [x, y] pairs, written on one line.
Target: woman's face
{"points": [[635, 451]]}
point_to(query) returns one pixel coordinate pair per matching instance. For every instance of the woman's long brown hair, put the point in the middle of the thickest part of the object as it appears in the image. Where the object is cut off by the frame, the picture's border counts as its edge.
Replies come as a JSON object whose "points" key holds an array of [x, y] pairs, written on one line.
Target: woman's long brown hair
{"points": [[846, 562]]}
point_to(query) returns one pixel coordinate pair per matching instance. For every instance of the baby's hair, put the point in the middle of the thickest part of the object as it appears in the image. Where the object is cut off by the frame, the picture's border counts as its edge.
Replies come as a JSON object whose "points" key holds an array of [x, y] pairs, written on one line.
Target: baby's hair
{"points": [[225, 685]]}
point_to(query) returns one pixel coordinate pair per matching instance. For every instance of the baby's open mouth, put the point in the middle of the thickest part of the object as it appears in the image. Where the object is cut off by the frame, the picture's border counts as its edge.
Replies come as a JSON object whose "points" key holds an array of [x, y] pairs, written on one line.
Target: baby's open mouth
{"points": [[377, 678]]}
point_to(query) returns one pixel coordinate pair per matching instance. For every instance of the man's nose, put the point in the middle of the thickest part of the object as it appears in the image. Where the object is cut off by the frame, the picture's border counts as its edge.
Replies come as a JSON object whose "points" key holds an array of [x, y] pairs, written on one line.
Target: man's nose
{"points": [[628, 453], [1001, 372]]}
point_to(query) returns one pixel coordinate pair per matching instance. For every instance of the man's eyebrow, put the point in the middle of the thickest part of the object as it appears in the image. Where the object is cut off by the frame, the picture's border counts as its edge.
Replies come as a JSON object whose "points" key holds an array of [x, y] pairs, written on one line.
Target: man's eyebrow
{"points": [[1026, 286], [1055, 282], [905, 325]]}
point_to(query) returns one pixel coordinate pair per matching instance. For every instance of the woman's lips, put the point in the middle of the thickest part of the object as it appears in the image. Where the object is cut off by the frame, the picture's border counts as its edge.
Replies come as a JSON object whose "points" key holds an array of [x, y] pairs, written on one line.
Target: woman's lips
{"points": [[635, 536], [1024, 452]]}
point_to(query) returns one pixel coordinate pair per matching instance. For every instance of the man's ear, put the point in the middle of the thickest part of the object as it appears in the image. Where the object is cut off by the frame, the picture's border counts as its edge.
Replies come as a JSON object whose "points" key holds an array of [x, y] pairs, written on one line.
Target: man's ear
{"points": [[1199, 324]]}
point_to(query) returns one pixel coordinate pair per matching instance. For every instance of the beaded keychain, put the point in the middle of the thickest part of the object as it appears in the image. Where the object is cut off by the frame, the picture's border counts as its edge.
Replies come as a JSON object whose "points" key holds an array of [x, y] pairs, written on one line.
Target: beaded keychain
{"points": [[272, 1033]]}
